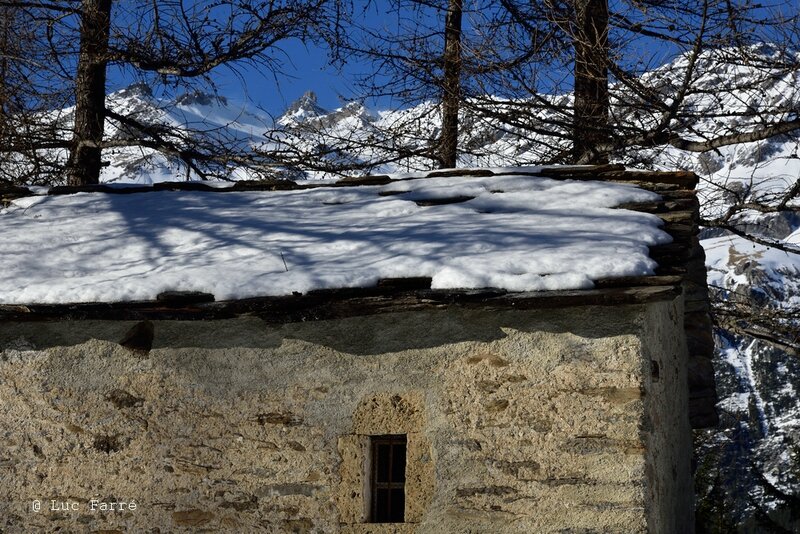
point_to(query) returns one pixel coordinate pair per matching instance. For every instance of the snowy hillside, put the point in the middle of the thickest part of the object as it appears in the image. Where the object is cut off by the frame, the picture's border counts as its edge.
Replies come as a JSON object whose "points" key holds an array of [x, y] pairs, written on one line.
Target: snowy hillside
{"points": [[749, 471], [194, 116], [190, 120]]}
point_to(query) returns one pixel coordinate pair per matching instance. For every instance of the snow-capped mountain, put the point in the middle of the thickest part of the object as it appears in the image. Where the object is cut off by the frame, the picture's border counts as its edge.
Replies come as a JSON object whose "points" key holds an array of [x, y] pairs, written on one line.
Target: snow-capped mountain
{"points": [[302, 110], [198, 118], [749, 468], [189, 121], [748, 476]]}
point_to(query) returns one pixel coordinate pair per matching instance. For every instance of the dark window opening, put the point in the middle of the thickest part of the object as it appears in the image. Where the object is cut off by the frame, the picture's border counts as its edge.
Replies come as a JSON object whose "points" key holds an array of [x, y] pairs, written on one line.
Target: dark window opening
{"points": [[655, 370], [388, 479]]}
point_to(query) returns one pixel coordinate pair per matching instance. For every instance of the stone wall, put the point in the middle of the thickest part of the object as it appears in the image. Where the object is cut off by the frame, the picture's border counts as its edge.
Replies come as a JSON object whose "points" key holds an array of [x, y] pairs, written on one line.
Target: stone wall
{"points": [[666, 424], [517, 421]]}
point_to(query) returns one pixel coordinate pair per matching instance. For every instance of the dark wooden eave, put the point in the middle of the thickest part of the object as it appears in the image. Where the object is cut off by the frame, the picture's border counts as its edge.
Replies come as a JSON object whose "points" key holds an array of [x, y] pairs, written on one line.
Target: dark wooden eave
{"points": [[340, 303]]}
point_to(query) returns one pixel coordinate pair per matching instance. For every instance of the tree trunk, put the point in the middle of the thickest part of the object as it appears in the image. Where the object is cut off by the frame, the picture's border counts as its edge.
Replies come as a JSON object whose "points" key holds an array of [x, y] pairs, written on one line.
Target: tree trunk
{"points": [[591, 128], [7, 17], [451, 86], [84, 162]]}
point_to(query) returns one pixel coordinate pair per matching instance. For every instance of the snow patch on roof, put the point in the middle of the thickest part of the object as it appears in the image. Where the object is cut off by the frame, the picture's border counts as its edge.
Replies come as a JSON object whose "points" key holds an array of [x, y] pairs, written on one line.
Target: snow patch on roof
{"points": [[519, 233]]}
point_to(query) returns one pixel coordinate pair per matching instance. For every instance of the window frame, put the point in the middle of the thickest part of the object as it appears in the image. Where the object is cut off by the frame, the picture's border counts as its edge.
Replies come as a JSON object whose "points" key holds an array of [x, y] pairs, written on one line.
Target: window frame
{"points": [[371, 501]]}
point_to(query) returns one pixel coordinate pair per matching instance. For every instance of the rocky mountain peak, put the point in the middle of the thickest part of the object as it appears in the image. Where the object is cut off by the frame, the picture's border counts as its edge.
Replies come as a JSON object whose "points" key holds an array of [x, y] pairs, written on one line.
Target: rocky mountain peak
{"points": [[200, 98], [140, 90], [302, 109]]}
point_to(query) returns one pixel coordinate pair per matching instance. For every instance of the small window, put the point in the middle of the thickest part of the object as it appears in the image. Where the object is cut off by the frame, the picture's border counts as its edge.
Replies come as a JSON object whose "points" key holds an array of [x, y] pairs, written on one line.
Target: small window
{"points": [[387, 492]]}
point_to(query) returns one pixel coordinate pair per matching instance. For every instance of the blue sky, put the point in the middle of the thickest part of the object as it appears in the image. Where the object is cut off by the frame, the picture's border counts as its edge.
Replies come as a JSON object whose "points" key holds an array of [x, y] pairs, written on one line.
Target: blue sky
{"points": [[305, 67], [309, 67]]}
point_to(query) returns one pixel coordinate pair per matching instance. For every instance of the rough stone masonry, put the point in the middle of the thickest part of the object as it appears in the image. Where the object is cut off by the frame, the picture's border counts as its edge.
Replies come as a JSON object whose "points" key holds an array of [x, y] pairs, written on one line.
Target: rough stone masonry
{"points": [[517, 421]]}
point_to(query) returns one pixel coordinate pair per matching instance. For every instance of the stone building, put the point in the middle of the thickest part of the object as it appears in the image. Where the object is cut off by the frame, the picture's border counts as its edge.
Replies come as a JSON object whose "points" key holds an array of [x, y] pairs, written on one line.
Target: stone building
{"points": [[404, 405]]}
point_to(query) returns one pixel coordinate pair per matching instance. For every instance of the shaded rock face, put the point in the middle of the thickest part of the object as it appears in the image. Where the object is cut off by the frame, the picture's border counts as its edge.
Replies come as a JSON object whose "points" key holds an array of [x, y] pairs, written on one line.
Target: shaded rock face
{"points": [[773, 225], [748, 471], [749, 468], [200, 98], [301, 110], [139, 89]]}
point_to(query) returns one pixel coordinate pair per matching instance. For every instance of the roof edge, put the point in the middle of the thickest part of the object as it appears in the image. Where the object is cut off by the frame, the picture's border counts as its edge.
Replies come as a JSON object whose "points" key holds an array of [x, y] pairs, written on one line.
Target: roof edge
{"points": [[341, 303], [611, 173]]}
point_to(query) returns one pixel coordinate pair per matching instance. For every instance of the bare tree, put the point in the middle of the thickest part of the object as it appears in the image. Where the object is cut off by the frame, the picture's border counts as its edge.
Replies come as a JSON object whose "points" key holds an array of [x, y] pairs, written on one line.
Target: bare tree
{"points": [[7, 50], [173, 42], [451, 84], [615, 108], [591, 129], [417, 58], [30, 87], [85, 151], [422, 55]]}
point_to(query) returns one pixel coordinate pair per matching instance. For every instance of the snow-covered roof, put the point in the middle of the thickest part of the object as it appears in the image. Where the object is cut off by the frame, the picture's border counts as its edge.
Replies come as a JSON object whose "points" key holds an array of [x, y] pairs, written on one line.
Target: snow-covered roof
{"points": [[515, 229]]}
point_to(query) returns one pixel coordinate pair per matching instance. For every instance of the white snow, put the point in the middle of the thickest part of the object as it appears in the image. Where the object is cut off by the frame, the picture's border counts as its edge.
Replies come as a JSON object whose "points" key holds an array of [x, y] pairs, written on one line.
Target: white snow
{"points": [[736, 402], [781, 269], [519, 233]]}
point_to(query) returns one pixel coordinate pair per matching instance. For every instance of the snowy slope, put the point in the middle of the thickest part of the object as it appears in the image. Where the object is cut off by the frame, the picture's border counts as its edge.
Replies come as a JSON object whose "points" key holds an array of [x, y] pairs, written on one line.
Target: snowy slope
{"points": [[190, 118], [198, 116]]}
